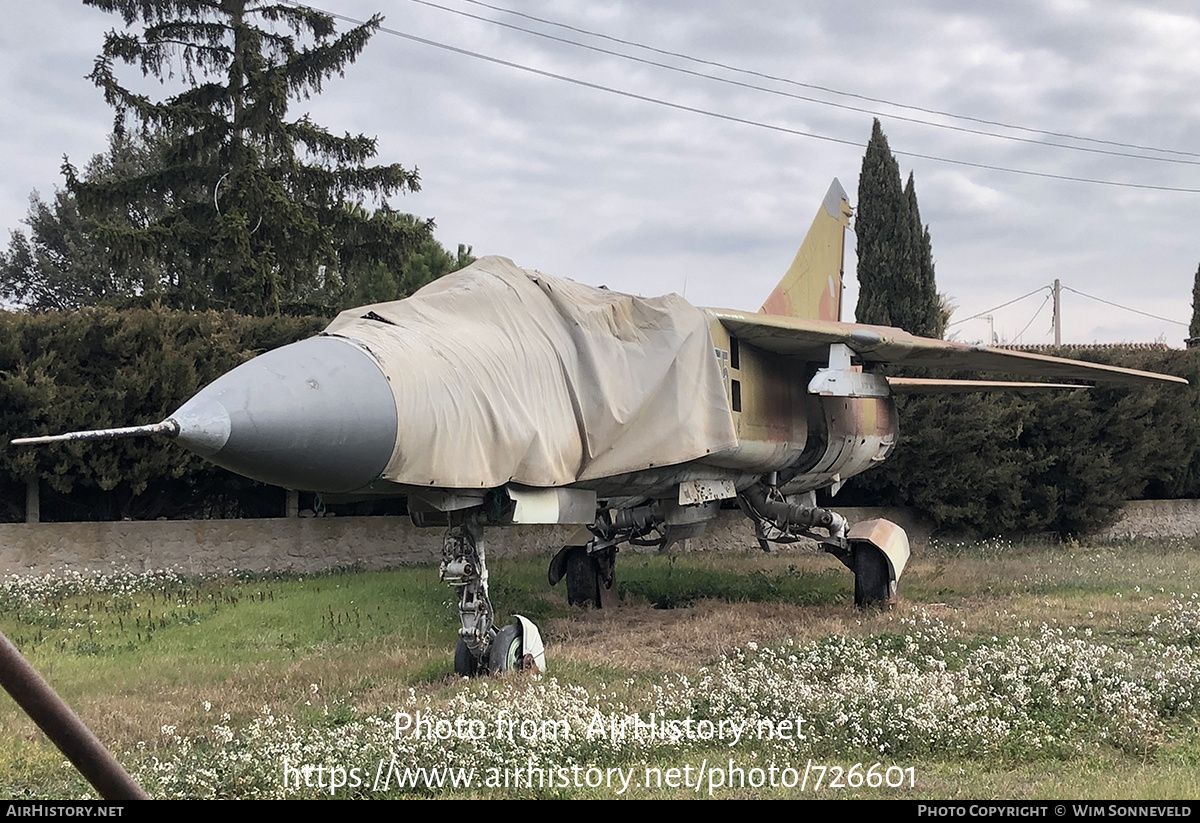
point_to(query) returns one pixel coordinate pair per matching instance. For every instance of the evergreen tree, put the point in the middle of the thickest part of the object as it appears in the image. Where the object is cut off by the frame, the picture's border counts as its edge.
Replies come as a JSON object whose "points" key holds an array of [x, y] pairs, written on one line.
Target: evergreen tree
{"points": [[927, 319], [369, 282], [895, 255], [1194, 327], [883, 230], [53, 268], [60, 265], [251, 210]]}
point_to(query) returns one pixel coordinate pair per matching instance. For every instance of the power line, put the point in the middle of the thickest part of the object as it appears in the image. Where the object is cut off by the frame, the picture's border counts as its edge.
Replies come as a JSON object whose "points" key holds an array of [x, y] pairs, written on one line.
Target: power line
{"points": [[1126, 308], [1002, 305], [1067, 288], [778, 92], [731, 118], [1035, 317], [827, 89]]}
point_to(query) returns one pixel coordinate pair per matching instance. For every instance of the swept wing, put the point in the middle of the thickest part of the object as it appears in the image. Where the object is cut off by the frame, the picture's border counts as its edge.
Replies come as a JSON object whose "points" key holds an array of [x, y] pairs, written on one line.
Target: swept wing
{"points": [[810, 339]]}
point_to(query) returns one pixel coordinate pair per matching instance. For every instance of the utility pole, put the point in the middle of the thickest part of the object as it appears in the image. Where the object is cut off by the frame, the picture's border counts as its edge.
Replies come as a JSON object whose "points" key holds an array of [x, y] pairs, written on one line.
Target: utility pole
{"points": [[1057, 312]]}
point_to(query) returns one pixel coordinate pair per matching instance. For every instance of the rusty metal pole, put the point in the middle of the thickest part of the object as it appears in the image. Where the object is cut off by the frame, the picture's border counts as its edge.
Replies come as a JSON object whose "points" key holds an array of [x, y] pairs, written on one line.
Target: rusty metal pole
{"points": [[63, 727]]}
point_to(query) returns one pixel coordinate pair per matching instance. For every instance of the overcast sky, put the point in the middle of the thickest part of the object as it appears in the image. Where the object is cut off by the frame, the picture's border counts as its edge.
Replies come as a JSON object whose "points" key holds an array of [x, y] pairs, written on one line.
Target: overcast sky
{"points": [[643, 197]]}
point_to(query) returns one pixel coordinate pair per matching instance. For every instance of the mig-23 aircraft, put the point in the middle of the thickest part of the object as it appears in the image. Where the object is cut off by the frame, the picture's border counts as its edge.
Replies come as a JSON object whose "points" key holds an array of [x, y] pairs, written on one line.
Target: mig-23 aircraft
{"points": [[497, 395]]}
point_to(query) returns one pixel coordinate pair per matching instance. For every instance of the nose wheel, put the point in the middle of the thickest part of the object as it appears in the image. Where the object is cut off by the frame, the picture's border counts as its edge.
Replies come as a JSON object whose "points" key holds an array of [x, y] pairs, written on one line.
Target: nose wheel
{"points": [[482, 647], [517, 647], [507, 650], [466, 664]]}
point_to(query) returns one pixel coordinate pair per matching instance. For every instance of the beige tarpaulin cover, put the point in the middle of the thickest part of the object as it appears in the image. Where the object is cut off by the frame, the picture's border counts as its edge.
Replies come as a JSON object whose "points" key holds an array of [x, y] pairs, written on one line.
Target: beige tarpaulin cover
{"points": [[502, 374]]}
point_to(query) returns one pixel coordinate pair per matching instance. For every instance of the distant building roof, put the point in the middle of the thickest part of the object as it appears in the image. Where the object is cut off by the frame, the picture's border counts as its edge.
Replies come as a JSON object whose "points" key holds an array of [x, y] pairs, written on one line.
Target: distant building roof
{"points": [[1050, 348]]}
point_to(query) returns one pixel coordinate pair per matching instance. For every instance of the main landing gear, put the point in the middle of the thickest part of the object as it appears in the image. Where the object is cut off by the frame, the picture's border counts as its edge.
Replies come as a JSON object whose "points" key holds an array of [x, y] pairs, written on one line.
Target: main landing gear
{"points": [[875, 550], [588, 563], [589, 573], [482, 647]]}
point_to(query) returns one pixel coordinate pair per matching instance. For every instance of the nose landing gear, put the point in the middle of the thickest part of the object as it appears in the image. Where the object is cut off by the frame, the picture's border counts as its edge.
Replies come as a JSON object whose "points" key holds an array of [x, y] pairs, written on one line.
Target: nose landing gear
{"points": [[482, 647]]}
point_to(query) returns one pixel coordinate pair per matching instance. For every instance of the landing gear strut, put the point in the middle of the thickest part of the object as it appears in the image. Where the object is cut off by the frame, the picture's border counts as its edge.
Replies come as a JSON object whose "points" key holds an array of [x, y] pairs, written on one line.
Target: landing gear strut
{"points": [[482, 648], [464, 566], [875, 550]]}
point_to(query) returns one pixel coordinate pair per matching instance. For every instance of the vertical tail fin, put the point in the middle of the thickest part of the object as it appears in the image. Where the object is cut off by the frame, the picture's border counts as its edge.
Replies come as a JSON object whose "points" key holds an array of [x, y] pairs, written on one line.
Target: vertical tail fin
{"points": [[812, 287]]}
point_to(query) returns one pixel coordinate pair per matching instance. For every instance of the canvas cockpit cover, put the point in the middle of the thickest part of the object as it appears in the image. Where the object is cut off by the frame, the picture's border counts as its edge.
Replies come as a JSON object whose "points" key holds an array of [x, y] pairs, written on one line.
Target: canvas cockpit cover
{"points": [[506, 375]]}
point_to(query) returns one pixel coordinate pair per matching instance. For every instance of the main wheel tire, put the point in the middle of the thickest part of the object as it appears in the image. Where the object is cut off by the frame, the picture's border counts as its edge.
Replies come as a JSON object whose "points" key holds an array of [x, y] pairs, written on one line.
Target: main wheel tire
{"points": [[506, 652], [872, 577], [465, 663], [585, 583]]}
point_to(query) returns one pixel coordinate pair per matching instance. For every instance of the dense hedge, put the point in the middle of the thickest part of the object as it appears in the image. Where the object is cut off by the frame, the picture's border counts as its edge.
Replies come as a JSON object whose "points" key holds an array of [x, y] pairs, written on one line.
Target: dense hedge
{"points": [[1044, 462], [101, 368]]}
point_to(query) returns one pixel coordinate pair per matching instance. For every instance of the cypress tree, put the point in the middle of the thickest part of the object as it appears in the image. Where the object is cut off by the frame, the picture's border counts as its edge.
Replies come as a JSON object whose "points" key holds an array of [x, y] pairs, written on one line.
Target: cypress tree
{"points": [[252, 210], [895, 255], [927, 318], [1194, 327], [883, 231]]}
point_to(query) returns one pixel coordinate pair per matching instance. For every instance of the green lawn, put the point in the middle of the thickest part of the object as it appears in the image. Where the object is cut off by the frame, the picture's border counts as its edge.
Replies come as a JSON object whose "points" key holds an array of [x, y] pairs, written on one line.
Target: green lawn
{"points": [[1008, 671]]}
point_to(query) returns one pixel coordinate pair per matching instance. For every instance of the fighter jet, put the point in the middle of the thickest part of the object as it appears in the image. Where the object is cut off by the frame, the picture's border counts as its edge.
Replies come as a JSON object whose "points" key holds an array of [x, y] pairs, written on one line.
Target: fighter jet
{"points": [[498, 395]]}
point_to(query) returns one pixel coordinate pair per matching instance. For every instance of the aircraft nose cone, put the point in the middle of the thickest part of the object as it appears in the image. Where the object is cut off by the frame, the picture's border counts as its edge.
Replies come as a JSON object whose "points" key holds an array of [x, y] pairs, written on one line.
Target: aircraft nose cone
{"points": [[317, 415], [204, 425]]}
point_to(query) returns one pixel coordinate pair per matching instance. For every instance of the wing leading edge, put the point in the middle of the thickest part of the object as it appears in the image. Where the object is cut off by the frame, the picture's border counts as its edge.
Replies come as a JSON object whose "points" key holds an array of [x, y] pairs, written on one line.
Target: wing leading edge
{"points": [[810, 339]]}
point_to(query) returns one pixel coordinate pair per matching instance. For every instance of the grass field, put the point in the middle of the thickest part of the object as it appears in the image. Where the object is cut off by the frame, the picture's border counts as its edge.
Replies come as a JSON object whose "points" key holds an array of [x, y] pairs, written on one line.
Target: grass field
{"points": [[1007, 671]]}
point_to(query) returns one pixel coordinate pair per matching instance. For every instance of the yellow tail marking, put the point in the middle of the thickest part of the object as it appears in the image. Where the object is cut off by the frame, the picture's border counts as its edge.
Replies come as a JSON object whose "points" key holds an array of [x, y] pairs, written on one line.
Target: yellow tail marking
{"points": [[812, 287]]}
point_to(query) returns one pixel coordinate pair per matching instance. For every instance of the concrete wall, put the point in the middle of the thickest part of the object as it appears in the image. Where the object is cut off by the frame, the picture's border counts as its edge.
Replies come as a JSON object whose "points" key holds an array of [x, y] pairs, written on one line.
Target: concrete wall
{"points": [[304, 544], [1156, 518], [313, 544], [194, 546]]}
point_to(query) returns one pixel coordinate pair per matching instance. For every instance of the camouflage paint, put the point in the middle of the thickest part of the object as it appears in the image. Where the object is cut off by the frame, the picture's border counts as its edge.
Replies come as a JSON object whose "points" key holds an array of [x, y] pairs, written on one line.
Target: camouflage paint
{"points": [[812, 287]]}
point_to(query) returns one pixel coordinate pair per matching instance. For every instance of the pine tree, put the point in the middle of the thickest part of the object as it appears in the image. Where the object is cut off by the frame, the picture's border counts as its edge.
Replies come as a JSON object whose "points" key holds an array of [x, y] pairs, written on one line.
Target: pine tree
{"points": [[895, 255], [51, 269], [369, 281], [60, 265], [253, 211]]}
